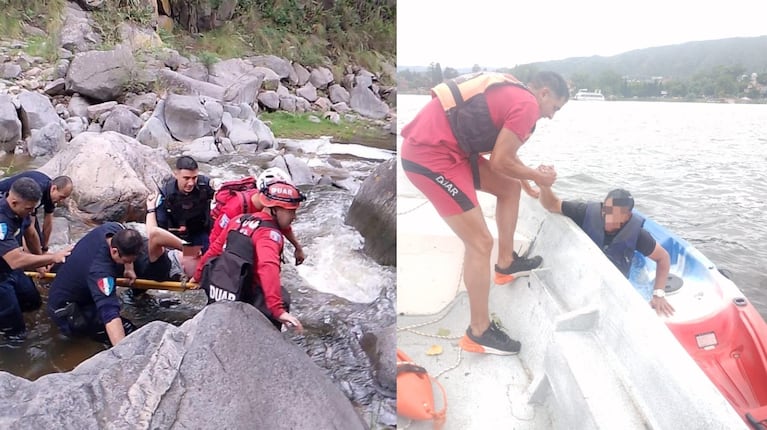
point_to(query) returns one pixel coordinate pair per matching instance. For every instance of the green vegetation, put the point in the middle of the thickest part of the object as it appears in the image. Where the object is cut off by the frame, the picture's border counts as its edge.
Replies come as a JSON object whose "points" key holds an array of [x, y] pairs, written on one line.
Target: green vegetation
{"points": [[298, 126], [329, 33], [43, 14], [722, 82]]}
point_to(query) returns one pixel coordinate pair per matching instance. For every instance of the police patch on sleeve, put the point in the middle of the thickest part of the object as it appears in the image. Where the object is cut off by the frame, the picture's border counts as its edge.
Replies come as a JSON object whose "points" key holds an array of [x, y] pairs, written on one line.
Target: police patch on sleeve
{"points": [[3, 230], [106, 285], [223, 221], [275, 236]]}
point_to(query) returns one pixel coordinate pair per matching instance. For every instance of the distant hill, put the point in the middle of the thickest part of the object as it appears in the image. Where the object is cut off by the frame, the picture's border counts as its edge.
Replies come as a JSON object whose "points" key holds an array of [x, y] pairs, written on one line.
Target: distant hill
{"points": [[677, 61]]}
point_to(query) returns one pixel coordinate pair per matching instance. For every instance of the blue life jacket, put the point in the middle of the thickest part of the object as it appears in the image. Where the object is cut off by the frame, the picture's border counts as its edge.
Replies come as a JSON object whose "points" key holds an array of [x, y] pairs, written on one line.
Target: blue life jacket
{"points": [[621, 250]]}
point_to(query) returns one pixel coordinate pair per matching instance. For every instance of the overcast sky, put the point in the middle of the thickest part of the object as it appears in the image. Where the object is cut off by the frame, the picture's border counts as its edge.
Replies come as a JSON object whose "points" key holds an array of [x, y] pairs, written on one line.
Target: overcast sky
{"points": [[495, 33]]}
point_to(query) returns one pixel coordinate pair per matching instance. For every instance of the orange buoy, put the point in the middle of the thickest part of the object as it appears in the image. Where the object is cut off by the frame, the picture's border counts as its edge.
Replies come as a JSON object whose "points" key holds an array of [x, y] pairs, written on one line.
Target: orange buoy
{"points": [[415, 396]]}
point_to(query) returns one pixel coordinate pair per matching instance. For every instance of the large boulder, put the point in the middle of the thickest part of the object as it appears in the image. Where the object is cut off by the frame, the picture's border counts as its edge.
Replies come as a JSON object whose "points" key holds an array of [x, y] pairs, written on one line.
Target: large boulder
{"points": [[227, 368], [10, 125], [190, 117], [280, 66], [112, 173], [122, 120], [183, 83], [155, 133], [373, 213], [36, 110], [101, 75], [46, 140], [365, 101]]}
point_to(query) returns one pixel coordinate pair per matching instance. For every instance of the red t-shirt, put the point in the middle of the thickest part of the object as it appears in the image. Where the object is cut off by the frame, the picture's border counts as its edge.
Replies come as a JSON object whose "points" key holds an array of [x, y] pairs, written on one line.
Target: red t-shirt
{"points": [[267, 244], [231, 209], [511, 107]]}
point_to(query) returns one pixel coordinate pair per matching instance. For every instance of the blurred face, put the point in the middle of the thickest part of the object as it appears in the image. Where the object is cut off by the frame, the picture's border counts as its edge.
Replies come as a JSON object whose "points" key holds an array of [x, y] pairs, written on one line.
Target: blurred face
{"points": [[186, 179], [615, 216], [284, 217], [548, 102], [59, 194], [21, 207], [121, 259]]}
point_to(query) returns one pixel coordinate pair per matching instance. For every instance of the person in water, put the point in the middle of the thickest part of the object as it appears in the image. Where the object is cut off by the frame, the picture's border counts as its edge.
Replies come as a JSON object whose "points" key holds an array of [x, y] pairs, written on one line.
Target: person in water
{"points": [[618, 232]]}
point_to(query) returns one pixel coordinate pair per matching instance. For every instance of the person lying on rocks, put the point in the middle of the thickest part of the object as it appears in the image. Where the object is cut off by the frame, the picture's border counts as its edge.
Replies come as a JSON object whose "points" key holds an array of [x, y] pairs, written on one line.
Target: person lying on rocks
{"points": [[162, 256]]}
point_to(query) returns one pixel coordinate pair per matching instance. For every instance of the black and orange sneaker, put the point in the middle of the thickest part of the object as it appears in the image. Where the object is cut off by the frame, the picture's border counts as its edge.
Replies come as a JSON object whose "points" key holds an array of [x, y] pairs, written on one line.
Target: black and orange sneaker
{"points": [[521, 266], [492, 341]]}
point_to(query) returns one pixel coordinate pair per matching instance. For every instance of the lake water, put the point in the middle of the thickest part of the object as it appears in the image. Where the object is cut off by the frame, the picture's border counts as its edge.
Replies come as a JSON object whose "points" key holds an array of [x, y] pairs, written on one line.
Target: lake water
{"points": [[696, 168]]}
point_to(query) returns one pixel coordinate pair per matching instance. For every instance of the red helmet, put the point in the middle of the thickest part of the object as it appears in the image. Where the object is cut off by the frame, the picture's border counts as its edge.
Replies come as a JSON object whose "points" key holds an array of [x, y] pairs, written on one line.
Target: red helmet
{"points": [[281, 194]]}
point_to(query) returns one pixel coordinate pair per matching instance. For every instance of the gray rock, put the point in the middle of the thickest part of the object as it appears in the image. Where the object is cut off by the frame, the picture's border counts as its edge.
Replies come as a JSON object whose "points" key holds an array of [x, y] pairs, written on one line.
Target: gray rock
{"points": [[340, 107], [269, 99], [373, 213], [113, 173], [323, 104], [55, 87], [61, 68], [203, 149], [101, 75], [185, 85], [78, 106], [227, 368], [303, 105], [245, 89], [288, 103], [98, 110], [300, 172], [46, 140], [122, 120], [10, 125], [321, 77], [10, 71], [338, 94], [366, 103], [378, 345], [75, 125], [76, 34], [278, 65], [36, 110], [308, 92], [302, 75], [143, 102], [187, 117], [154, 134]]}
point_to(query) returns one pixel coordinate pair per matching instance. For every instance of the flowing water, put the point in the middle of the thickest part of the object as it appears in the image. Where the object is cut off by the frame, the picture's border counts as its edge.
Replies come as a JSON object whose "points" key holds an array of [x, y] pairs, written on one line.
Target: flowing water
{"points": [[338, 292], [696, 168]]}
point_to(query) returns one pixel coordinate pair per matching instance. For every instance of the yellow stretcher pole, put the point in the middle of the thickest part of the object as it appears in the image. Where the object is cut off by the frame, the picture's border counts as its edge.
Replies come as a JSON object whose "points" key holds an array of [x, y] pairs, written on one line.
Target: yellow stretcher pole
{"points": [[144, 284]]}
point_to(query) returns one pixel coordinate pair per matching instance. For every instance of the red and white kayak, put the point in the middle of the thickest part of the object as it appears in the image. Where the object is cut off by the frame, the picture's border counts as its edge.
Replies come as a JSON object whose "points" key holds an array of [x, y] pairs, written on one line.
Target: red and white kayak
{"points": [[714, 321]]}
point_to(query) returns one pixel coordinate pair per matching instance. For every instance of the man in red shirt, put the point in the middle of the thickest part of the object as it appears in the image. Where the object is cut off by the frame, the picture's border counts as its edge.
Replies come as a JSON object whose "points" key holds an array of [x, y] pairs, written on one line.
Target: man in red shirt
{"points": [[280, 201], [443, 155], [251, 199]]}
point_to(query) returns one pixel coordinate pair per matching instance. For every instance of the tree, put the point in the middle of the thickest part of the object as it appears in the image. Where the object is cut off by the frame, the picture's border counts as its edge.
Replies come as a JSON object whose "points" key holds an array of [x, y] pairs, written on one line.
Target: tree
{"points": [[450, 73], [435, 71], [476, 68]]}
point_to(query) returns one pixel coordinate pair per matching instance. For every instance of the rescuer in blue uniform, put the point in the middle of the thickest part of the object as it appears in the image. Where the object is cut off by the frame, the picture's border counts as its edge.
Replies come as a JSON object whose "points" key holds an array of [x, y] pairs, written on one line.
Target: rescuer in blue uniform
{"points": [[83, 300], [17, 292]]}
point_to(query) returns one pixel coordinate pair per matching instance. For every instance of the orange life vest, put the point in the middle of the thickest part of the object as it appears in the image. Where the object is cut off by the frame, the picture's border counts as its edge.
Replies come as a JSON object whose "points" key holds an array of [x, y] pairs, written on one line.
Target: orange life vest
{"points": [[465, 105]]}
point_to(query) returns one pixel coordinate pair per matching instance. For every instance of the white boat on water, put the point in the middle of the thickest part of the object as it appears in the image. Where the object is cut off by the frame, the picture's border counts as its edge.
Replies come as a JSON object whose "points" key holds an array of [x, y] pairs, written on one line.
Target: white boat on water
{"points": [[585, 94], [594, 355]]}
